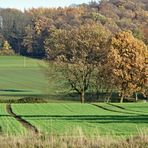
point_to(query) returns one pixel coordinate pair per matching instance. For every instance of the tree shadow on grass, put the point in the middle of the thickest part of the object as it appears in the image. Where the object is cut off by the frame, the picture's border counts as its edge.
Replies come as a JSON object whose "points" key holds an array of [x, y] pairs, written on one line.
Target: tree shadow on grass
{"points": [[4, 115], [14, 90]]}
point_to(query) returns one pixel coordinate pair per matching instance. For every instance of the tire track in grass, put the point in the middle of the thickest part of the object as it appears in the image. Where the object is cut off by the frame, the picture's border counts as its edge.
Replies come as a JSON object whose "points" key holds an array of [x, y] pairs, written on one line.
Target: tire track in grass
{"points": [[112, 110], [126, 109], [24, 123]]}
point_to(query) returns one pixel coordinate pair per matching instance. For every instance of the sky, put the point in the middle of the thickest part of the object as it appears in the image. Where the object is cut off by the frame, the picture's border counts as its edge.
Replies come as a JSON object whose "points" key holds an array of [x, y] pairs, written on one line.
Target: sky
{"points": [[21, 4]]}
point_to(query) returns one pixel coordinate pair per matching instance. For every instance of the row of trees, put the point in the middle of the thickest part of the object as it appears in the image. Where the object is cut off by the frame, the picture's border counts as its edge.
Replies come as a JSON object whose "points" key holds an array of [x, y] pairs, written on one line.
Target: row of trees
{"points": [[90, 56], [26, 31]]}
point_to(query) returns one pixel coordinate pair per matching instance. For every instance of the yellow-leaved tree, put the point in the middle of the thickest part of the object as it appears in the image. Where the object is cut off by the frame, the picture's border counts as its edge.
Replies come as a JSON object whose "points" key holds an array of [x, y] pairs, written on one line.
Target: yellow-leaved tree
{"points": [[126, 64], [6, 49]]}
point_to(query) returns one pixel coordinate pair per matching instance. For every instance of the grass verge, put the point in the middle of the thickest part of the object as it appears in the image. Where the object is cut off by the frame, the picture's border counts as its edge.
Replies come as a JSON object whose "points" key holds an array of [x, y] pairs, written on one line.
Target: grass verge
{"points": [[81, 141]]}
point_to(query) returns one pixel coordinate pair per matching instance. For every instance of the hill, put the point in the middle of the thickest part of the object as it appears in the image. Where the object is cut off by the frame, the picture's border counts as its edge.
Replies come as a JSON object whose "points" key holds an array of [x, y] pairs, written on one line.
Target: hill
{"points": [[22, 76], [27, 32]]}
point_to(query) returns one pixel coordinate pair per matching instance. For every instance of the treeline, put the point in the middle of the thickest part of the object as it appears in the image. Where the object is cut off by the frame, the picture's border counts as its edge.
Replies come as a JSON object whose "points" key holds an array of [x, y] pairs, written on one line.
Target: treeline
{"points": [[27, 31]]}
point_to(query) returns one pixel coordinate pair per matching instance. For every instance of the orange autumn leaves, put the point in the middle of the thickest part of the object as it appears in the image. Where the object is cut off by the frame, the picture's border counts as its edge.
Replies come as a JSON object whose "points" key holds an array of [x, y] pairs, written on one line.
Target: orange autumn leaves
{"points": [[89, 54], [126, 63]]}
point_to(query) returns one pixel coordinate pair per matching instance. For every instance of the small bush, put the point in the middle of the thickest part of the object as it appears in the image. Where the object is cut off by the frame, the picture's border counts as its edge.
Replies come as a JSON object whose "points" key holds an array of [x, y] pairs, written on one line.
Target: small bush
{"points": [[7, 52], [31, 100]]}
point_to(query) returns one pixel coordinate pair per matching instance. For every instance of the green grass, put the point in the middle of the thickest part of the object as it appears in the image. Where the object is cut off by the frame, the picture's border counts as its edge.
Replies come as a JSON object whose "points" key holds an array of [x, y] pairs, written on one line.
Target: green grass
{"points": [[134, 107], [8, 125], [23, 76], [18, 78], [27, 77], [65, 117]]}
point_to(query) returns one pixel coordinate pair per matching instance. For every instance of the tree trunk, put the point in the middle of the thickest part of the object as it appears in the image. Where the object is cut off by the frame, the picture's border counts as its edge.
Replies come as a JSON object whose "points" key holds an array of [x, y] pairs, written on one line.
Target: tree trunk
{"points": [[136, 97], [109, 96], [122, 97], [82, 97], [97, 95]]}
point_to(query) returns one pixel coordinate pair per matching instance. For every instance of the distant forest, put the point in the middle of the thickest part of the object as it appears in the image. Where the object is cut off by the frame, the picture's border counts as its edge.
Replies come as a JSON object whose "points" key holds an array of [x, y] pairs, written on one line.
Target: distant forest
{"points": [[26, 32]]}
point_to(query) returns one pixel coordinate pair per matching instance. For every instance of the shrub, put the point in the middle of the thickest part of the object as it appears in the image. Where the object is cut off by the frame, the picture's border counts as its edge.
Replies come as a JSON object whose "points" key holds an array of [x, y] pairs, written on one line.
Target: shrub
{"points": [[6, 49]]}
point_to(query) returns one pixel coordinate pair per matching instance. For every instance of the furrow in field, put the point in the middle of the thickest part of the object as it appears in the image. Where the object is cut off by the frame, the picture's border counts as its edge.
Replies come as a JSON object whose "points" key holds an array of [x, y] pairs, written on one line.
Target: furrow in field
{"points": [[8, 124], [26, 124]]}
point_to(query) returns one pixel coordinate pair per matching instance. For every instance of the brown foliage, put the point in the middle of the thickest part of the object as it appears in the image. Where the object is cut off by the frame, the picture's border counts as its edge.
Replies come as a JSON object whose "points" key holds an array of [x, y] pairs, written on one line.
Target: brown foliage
{"points": [[78, 51], [126, 63]]}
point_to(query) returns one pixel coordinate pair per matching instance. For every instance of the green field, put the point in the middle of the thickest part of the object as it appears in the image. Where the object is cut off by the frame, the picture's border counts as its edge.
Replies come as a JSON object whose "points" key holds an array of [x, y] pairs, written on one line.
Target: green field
{"points": [[8, 125], [99, 118], [21, 76]]}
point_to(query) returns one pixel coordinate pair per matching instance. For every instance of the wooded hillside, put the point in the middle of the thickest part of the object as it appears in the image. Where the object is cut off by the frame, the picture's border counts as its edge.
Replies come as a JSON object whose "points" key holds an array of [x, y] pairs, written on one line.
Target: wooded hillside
{"points": [[27, 31]]}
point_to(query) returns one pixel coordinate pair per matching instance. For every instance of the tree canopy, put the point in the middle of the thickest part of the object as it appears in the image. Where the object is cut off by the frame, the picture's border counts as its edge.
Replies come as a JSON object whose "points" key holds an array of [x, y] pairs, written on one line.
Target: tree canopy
{"points": [[78, 51], [26, 31], [126, 64]]}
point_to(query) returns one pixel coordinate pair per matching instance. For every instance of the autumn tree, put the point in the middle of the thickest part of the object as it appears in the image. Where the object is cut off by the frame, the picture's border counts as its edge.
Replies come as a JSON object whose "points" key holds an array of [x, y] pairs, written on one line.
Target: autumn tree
{"points": [[35, 34], [77, 51], [126, 65], [6, 49], [14, 22]]}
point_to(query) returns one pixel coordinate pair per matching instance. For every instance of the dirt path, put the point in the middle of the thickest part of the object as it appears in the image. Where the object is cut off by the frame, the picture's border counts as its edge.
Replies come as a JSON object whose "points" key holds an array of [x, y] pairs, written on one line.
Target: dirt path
{"points": [[26, 124]]}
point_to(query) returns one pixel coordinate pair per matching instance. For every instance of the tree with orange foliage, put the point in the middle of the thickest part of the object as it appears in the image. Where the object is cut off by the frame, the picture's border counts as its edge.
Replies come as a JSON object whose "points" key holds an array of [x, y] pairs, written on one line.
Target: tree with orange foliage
{"points": [[126, 64]]}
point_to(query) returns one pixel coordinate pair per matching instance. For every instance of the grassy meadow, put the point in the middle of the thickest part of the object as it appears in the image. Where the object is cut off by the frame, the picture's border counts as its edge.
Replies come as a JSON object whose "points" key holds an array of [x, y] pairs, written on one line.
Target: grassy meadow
{"points": [[21, 76], [61, 118], [66, 118], [8, 125], [25, 77]]}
